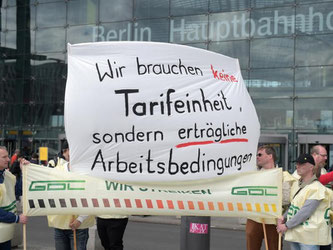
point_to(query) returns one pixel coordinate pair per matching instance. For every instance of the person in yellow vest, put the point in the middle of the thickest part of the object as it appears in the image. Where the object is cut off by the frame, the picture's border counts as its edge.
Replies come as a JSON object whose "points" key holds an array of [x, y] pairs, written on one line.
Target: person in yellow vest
{"points": [[266, 158], [66, 225], [61, 158], [306, 223], [319, 154], [8, 214]]}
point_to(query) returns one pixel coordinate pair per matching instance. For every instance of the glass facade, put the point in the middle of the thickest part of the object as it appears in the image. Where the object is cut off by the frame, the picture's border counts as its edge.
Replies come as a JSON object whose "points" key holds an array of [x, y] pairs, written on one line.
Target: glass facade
{"points": [[285, 50]]}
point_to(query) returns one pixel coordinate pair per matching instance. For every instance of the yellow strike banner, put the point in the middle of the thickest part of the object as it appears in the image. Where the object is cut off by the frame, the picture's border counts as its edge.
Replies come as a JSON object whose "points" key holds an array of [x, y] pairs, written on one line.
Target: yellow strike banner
{"points": [[49, 191]]}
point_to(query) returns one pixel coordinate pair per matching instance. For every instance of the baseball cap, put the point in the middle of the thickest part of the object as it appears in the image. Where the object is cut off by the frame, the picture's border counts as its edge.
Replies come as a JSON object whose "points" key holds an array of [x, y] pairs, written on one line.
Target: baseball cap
{"points": [[305, 158]]}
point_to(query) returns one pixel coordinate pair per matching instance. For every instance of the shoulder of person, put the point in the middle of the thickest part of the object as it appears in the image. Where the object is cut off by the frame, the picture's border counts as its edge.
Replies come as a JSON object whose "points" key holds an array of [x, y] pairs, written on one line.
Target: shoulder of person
{"points": [[287, 177], [10, 175], [51, 162]]}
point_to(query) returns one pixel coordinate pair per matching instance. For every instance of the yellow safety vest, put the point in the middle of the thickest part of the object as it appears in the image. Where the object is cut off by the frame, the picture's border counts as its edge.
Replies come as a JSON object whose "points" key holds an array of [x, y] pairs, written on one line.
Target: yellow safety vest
{"points": [[8, 203], [63, 221], [316, 230]]}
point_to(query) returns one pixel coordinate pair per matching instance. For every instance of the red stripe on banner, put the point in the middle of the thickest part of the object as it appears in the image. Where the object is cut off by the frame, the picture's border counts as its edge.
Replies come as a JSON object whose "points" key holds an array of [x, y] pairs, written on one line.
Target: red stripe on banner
{"points": [[95, 202], [149, 204], [84, 202], [159, 204], [73, 202], [196, 143], [230, 206], [240, 207], [221, 207], [211, 206], [234, 140], [128, 203], [116, 203], [187, 144], [170, 204], [190, 205], [138, 203], [201, 205], [180, 204], [106, 202], [62, 203]]}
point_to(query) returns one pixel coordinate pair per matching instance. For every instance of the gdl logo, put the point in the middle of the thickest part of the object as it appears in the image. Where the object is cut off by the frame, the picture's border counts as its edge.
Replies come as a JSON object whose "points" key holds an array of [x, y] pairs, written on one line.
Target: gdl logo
{"points": [[58, 185], [255, 190]]}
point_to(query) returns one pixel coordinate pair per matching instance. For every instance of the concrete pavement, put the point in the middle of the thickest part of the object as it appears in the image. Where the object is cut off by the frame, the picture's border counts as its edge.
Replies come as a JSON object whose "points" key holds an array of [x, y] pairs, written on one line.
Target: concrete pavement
{"points": [[94, 242]]}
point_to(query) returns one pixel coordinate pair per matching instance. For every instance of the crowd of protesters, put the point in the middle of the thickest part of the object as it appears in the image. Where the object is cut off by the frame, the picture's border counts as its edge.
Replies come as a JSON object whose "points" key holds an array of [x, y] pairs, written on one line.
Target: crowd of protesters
{"points": [[306, 222], [306, 202]]}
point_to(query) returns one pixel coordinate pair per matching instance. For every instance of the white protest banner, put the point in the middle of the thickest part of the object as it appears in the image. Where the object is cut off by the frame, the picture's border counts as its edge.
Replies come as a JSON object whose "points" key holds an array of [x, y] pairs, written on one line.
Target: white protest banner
{"points": [[142, 111], [249, 194]]}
